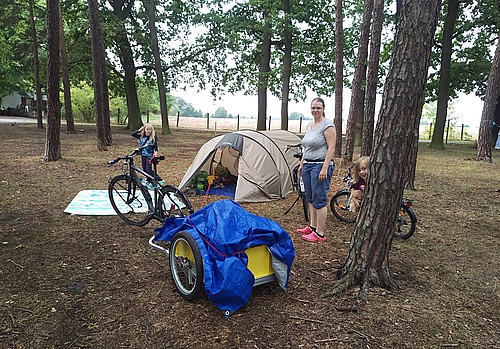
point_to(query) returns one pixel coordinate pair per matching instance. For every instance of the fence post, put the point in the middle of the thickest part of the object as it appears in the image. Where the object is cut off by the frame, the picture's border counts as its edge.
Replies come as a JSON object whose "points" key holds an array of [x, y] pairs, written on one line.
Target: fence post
{"points": [[462, 133], [430, 131], [178, 117], [447, 131], [269, 127], [118, 117], [147, 116], [300, 124], [238, 123], [208, 122]]}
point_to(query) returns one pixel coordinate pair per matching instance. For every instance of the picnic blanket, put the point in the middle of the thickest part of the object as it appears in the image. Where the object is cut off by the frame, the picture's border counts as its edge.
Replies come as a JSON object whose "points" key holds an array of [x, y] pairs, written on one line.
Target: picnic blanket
{"points": [[91, 203]]}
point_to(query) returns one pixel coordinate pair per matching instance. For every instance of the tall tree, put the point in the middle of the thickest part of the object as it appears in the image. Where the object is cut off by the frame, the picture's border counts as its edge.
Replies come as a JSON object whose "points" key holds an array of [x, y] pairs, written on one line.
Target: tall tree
{"points": [[339, 75], [357, 91], [484, 143], [445, 74], [287, 64], [122, 10], [240, 28], [101, 93], [53, 141], [149, 5], [36, 66], [367, 263], [372, 77], [264, 68], [70, 123]]}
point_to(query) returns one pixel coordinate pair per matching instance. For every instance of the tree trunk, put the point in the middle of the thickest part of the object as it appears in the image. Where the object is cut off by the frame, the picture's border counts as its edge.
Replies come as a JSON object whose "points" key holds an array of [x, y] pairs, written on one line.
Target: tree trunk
{"points": [[70, 123], [484, 142], [444, 75], [53, 142], [367, 263], [287, 66], [263, 77], [372, 77], [149, 5], [339, 76], [357, 84], [122, 10], [101, 93], [36, 65]]}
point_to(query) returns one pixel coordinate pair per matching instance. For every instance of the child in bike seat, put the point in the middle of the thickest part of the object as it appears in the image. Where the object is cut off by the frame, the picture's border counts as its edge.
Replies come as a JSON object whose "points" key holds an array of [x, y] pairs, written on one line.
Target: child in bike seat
{"points": [[358, 182], [147, 137]]}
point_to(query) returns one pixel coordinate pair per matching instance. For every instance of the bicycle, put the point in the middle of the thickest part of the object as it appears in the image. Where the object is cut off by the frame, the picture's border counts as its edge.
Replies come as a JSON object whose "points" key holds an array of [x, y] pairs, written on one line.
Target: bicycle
{"points": [[297, 183], [340, 206], [131, 198]]}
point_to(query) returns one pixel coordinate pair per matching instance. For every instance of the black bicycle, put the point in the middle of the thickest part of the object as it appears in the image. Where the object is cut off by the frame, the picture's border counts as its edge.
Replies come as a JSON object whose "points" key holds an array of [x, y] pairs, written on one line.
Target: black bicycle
{"points": [[297, 183], [136, 202], [340, 204]]}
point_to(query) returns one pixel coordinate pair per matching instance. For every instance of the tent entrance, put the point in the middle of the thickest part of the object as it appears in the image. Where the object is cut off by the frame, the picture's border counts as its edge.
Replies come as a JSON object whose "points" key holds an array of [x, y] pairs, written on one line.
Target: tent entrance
{"points": [[224, 168]]}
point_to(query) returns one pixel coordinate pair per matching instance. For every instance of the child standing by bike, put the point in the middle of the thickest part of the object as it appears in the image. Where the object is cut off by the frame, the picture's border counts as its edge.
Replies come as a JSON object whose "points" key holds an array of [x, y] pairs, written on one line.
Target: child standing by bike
{"points": [[358, 183], [147, 137]]}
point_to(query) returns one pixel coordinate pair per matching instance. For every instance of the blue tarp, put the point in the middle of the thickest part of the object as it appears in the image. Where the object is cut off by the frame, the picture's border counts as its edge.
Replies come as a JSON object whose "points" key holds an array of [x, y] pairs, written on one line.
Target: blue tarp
{"points": [[223, 230]]}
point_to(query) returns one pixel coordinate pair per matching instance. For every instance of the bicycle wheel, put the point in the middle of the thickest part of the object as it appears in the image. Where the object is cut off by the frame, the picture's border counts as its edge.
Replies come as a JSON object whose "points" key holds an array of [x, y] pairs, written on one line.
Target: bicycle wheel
{"points": [[405, 223], [339, 204], [174, 203], [128, 200], [305, 207], [186, 265]]}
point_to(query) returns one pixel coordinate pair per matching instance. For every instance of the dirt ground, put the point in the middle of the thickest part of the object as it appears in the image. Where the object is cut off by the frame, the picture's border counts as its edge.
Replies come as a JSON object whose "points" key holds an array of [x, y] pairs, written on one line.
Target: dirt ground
{"points": [[69, 281]]}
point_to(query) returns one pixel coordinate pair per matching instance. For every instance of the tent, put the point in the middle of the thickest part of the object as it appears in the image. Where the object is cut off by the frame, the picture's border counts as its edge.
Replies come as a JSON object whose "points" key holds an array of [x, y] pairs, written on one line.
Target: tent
{"points": [[259, 160]]}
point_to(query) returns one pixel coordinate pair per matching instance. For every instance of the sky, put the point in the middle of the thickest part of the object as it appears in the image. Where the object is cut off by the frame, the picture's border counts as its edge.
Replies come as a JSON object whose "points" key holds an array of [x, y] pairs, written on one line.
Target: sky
{"points": [[467, 108]]}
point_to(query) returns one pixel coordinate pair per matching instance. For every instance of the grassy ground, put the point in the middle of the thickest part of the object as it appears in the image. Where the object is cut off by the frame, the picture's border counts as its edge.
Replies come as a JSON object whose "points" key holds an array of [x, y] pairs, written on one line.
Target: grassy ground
{"points": [[92, 282]]}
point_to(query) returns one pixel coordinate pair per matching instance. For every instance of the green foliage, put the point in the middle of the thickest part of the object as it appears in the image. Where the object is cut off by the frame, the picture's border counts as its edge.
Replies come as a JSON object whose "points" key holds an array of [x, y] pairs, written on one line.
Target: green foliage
{"points": [[296, 116], [476, 28], [184, 108], [221, 113], [148, 99], [83, 103]]}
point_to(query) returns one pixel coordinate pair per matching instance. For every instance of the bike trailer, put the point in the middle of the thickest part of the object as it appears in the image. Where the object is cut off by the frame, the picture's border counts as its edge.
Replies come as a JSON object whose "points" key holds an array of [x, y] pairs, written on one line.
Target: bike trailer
{"points": [[238, 250]]}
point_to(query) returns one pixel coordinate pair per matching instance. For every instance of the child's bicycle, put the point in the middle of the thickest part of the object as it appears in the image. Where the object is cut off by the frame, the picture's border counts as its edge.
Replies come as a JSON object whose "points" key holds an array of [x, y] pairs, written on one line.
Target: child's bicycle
{"points": [[341, 202], [297, 183], [135, 203]]}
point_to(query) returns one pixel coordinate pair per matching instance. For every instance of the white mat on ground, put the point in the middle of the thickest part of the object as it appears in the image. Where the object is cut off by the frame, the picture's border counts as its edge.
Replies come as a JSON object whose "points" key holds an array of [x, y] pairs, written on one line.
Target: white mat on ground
{"points": [[91, 203], [96, 203]]}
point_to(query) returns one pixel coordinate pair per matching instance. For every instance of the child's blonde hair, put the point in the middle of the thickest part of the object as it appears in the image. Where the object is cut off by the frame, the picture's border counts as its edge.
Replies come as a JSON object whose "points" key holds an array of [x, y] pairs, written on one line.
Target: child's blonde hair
{"points": [[152, 136], [364, 160]]}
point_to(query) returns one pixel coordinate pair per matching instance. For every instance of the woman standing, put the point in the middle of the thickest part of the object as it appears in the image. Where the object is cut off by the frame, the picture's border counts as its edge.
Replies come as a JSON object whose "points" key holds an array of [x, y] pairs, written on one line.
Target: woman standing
{"points": [[316, 168]]}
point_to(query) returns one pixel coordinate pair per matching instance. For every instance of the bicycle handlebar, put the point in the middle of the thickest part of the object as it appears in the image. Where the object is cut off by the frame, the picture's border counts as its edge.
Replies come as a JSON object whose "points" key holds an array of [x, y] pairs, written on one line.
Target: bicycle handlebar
{"points": [[136, 151]]}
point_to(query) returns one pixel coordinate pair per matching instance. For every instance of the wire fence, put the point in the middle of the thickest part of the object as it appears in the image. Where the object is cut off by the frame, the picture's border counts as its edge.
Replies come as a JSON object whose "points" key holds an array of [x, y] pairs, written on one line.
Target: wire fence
{"points": [[452, 132]]}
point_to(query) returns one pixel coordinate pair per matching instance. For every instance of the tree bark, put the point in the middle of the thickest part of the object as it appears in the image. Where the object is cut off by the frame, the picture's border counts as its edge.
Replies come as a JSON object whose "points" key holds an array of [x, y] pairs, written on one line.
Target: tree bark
{"points": [[367, 263], [444, 75], [339, 76], [149, 5], [101, 93], [357, 84], [287, 66], [372, 77], [484, 142], [264, 69], [70, 123], [36, 65], [53, 142]]}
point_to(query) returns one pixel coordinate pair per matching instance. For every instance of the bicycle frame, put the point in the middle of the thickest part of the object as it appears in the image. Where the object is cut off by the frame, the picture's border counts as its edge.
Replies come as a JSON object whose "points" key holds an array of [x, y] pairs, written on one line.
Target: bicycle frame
{"points": [[298, 184], [134, 172]]}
